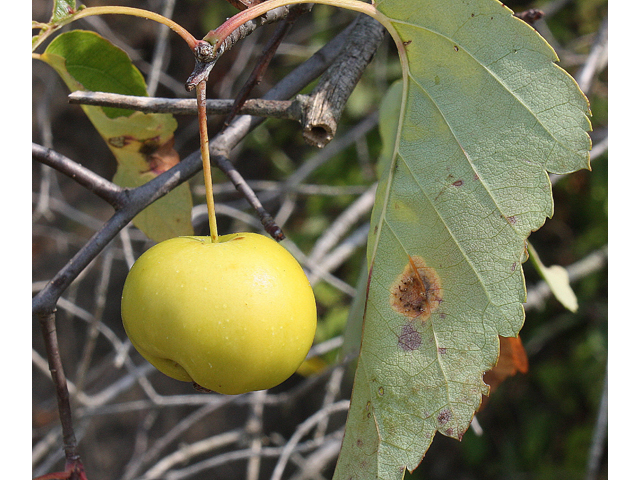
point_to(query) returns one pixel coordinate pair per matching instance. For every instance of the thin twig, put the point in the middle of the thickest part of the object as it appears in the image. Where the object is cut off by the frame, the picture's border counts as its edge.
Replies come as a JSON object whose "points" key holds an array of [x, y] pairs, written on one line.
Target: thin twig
{"points": [[342, 224], [282, 109], [599, 432], [241, 185], [70, 446], [301, 431], [597, 59], [96, 320], [266, 56], [254, 428], [228, 457], [43, 116], [162, 42], [206, 61], [138, 463], [340, 254], [198, 448], [319, 460], [106, 190], [300, 189], [321, 272]]}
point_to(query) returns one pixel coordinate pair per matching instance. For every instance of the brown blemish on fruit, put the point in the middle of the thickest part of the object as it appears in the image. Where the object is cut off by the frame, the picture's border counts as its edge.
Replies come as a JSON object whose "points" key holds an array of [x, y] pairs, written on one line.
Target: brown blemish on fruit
{"points": [[201, 389], [410, 339], [417, 291], [444, 416], [237, 238]]}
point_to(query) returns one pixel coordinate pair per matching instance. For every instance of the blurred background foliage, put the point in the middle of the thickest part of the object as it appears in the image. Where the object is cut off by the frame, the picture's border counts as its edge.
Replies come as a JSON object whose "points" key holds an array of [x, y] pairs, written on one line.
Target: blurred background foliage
{"points": [[535, 426]]}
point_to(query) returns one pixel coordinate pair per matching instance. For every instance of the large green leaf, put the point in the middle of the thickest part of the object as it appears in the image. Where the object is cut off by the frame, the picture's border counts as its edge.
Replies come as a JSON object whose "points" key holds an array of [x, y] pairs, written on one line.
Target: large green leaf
{"points": [[485, 114], [142, 143]]}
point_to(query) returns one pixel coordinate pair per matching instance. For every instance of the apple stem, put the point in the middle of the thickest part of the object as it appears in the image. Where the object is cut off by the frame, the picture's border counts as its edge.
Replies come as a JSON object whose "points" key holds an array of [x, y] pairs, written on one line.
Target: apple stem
{"points": [[201, 99]]}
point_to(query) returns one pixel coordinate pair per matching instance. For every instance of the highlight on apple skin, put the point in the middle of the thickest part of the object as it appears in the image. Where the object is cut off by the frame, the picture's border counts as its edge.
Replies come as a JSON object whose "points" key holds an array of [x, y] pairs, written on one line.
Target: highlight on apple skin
{"points": [[233, 316]]}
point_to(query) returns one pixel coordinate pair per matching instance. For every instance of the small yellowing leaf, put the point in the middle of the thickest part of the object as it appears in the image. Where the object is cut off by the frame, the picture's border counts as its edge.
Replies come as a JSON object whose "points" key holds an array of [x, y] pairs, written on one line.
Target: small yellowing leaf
{"points": [[141, 143], [558, 280]]}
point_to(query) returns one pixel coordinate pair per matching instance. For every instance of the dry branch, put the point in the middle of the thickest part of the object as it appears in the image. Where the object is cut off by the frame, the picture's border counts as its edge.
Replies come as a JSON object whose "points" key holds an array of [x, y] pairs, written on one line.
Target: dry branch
{"points": [[328, 99]]}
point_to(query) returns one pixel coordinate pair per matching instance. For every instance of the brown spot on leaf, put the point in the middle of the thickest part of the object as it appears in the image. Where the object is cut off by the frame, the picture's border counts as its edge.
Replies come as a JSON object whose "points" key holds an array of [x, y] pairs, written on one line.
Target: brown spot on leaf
{"points": [[512, 219], [408, 42], [121, 141], [442, 350], [410, 339], [368, 408], [417, 291], [513, 266], [149, 146], [444, 416], [160, 157], [359, 443], [455, 48], [449, 431], [458, 183]]}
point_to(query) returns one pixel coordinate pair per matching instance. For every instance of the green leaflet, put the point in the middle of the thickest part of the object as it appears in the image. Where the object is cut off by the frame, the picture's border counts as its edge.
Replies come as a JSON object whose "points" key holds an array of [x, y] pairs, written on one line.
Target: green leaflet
{"points": [[486, 113], [142, 143]]}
